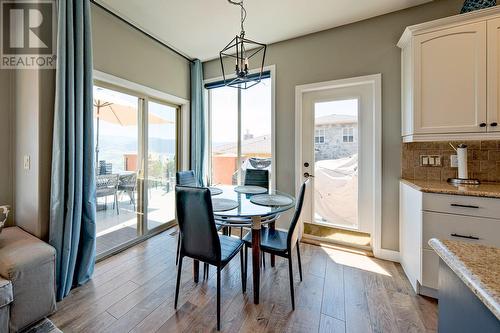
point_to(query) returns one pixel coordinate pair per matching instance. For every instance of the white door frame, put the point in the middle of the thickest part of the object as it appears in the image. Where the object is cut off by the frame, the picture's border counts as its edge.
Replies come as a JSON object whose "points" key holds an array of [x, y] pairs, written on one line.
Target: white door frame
{"points": [[376, 82]]}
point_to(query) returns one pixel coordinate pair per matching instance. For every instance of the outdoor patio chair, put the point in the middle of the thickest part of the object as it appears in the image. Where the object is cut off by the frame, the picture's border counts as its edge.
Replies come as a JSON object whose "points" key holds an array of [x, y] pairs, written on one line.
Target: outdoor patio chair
{"points": [[128, 184], [107, 185]]}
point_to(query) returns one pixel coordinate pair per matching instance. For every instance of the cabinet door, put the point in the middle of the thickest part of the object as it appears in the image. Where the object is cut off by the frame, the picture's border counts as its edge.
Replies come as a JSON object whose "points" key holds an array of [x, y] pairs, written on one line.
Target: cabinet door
{"points": [[493, 75], [450, 80]]}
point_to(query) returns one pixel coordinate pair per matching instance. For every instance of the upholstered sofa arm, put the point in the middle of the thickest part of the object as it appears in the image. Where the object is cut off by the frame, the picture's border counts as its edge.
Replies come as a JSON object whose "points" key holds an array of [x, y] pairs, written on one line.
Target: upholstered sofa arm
{"points": [[6, 297], [29, 264]]}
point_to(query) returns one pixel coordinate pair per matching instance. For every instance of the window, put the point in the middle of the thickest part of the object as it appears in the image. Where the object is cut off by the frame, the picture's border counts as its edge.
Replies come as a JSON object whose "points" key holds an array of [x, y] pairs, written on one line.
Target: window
{"points": [[348, 134], [240, 131], [319, 136]]}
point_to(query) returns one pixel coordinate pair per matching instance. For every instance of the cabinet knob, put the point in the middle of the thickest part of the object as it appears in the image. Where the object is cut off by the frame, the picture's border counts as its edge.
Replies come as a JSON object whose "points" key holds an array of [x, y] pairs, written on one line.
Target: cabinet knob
{"points": [[494, 124], [482, 125]]}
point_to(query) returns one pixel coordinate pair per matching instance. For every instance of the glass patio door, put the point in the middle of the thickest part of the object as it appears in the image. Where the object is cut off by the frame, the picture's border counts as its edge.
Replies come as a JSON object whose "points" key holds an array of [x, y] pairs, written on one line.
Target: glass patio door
{"points": [[136, 161], [162, 163], [338, 156]]}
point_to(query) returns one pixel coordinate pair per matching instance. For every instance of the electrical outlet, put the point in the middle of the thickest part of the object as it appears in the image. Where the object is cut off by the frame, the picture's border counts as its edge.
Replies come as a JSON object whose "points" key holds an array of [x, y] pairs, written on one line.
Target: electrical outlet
{"points": [[454, 161], [26, 162]]}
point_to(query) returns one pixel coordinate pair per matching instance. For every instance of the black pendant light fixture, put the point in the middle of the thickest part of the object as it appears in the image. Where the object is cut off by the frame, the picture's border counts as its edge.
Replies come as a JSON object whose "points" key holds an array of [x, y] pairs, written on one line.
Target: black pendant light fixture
{"points": [[244, 51]]}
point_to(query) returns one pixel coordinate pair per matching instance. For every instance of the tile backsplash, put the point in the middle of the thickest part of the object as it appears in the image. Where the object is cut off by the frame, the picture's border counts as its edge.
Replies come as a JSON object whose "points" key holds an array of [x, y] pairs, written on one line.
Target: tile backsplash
{"points": [[483, 160]]}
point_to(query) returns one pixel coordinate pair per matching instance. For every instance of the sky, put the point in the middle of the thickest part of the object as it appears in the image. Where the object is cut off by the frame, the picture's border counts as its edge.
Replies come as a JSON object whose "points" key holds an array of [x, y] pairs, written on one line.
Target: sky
{"points": [[163, 131], [256, 112], [347, 107]]}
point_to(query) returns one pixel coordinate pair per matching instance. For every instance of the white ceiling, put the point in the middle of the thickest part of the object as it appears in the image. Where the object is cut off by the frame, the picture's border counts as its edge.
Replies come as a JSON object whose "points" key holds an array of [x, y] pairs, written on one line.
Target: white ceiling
{"points": [[200, 28]]}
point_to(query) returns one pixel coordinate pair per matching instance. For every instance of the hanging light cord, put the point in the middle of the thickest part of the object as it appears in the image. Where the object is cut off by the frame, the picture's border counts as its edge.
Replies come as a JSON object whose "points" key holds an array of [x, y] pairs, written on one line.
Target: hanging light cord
{"points": [[243, 13]]}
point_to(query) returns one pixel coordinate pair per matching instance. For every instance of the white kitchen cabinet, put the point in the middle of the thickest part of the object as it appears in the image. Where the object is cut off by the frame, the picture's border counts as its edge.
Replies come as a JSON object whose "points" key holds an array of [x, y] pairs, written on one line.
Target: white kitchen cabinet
{"points": [[429, 215], [450, 73], [493, 76]]}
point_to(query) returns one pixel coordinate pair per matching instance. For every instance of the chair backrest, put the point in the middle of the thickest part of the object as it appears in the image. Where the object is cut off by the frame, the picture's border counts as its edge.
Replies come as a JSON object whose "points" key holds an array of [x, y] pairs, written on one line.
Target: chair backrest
{"points": [[199, 238], [256, 177], [107, 181], [186, 178], [293, 231], [129, 180]]}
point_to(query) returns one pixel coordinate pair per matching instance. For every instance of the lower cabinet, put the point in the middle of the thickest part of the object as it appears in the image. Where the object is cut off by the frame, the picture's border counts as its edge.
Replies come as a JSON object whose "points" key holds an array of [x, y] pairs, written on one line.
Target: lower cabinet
{"points": [[427, 215]]}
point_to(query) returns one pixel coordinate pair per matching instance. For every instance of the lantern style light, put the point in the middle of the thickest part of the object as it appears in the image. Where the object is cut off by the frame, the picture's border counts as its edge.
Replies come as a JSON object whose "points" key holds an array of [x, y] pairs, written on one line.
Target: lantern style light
{"points": [[244, 51]]}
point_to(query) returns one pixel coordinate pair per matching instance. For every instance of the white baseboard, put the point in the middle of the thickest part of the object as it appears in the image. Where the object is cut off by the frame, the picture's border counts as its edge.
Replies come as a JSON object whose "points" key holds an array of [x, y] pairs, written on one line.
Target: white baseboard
{"points": [[386, 254]]}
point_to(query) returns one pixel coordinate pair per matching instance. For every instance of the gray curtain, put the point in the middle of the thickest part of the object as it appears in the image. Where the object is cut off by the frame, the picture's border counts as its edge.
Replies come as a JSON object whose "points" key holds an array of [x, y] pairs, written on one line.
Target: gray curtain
{"points": [[198, 124], [72, 201]]}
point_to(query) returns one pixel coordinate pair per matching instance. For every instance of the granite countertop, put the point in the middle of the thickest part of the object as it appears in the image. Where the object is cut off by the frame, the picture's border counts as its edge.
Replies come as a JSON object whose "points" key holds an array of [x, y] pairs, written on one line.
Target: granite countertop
{"points": [[488, 190], [478, 266]]}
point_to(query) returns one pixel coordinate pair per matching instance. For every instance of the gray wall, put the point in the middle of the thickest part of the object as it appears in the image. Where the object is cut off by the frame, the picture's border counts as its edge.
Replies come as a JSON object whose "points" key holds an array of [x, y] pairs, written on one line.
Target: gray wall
{"points": [[124, 52], [5, 138], [361, 48], [33, 105]]}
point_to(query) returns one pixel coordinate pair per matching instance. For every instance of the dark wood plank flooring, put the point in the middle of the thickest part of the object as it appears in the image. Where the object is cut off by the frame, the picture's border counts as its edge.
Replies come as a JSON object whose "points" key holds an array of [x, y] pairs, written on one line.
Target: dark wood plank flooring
{"points": [[133, 291]]}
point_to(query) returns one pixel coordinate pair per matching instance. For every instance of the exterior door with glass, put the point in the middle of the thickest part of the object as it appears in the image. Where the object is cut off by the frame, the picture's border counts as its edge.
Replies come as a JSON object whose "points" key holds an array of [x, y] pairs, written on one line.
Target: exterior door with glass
{"points": [[339, 156]]}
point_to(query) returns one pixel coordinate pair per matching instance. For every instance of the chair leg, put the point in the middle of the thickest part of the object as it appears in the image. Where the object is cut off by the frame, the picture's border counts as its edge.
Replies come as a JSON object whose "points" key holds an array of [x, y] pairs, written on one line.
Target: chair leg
{"points": [[246, 268], [241, 233], [263, 259], [178, 252], [218, 298], [177, 285], [298, 258], [290, 271], [206, 271], [243, 269], [116, 203]]}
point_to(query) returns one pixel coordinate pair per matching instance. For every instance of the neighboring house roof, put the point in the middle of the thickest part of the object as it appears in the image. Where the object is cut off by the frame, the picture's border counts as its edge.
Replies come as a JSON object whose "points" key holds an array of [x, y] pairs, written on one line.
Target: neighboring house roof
{"points": [[258, 145], [336, 119]]}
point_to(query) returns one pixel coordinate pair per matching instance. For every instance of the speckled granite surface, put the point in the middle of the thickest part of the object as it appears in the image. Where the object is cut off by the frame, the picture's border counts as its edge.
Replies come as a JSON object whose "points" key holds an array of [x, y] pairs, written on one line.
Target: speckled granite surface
{"points": [[478, 266], [488, 190]]}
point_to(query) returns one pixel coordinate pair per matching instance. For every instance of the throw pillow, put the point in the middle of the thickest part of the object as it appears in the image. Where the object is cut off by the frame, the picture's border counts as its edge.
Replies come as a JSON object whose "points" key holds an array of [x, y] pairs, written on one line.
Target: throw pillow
{"points": [[4, 213]]}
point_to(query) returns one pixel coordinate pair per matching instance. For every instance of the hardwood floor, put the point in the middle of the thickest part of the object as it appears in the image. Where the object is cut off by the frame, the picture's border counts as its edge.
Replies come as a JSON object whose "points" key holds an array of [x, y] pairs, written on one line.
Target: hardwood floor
{"points": [[340, 292]]}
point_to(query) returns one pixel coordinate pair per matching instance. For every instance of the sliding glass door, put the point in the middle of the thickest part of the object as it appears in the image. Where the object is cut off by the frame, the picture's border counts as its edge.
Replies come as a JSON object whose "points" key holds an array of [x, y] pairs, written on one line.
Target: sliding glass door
{"points": [[136, 159], [162, 163]]}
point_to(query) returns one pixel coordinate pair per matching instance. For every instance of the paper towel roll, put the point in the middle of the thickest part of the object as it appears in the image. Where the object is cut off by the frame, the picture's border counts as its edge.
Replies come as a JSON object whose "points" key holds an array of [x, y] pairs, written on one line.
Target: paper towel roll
{"points": [[462, 162]]}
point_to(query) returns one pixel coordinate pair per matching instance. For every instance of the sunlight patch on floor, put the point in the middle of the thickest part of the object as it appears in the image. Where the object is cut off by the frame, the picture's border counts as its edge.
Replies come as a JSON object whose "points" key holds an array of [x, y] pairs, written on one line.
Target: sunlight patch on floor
{"points": [[356, 261]]}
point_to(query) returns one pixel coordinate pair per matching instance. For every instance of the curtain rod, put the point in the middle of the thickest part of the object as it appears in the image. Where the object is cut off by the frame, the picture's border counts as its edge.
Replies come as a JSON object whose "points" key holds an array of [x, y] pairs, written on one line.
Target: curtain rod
{"points": [[140, 30]]}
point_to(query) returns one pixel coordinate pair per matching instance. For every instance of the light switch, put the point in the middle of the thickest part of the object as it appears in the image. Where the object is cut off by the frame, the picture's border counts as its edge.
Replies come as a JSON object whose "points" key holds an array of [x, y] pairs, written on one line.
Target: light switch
{"points": [[431, 160], [27, 164], [424, 160]]}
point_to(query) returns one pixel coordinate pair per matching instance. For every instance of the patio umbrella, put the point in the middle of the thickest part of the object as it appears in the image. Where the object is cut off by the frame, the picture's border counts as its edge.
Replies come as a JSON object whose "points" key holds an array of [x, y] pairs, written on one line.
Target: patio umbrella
{"points": [[121, 115]]}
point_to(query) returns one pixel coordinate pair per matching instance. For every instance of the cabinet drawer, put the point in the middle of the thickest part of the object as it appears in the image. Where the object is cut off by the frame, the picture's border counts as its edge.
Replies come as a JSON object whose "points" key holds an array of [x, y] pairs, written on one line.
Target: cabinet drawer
{"points": [[430, 269], [463, 205], [443, 226]]}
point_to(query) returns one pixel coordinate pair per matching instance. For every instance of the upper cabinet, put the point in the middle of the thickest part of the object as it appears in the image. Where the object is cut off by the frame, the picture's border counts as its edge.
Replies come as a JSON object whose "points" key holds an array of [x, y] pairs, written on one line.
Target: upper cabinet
{"points": [[451, 78]]}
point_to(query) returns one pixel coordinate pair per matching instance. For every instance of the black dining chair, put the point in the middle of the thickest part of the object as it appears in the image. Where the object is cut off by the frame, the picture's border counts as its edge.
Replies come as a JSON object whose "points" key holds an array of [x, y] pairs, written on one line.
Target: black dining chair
{"points": [[186, 178], [282, 243], [200, 240], [256, 177]]}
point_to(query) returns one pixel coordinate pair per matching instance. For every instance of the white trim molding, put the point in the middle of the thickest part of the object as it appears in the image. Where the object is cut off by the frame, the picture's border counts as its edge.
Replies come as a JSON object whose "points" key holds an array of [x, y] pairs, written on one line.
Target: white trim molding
{"points": [[376, 82]]}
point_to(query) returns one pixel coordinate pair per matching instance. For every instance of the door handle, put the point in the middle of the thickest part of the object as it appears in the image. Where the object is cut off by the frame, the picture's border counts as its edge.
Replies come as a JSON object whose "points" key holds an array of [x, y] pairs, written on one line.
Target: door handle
{"points": [[494, 124], [308, 175], [482, 125]]}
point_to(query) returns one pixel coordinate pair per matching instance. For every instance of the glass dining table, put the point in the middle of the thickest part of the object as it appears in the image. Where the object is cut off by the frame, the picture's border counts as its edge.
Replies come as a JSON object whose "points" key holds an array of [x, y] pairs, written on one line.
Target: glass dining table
{"points": [[234, 206]]}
